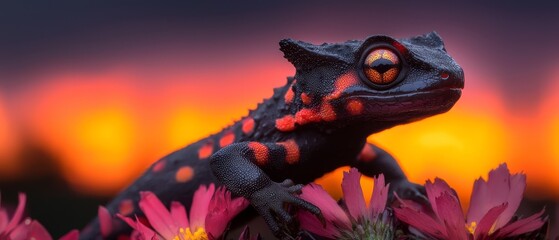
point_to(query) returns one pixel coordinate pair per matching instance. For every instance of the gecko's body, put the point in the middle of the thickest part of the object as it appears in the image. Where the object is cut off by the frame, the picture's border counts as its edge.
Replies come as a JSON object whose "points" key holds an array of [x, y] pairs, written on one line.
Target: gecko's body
{"points": [[317, 122]]}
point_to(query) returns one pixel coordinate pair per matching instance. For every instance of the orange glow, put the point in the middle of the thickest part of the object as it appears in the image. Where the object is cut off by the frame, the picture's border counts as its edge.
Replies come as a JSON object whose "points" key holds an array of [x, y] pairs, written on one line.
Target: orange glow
{"points": [[9, 144], [91, 128], [105, 128], [551, 166], [106, 147], [542, 172]]}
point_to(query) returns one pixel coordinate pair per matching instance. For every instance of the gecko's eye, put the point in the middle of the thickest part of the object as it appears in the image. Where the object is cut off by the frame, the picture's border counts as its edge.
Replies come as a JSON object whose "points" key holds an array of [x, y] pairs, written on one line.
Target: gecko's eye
{"points": [[382, 66]]}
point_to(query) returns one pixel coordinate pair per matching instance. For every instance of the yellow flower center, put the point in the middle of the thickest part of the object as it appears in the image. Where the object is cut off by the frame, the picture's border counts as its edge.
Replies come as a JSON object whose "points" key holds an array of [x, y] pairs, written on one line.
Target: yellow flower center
{"points": [[471, 227], [187, 234]]}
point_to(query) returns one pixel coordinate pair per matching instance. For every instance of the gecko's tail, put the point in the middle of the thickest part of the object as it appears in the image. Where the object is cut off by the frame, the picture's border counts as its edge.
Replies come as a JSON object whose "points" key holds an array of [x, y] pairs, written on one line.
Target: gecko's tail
{"points": [[126, 203], [163, 178]]}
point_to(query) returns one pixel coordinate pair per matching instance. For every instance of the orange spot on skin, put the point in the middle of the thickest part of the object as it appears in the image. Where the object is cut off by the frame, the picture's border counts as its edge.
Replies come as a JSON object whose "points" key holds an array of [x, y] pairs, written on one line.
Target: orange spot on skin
{"points": [[306, 98], [289, 94], [342, 83], [306, 115], [226, 139], [126, 207], [158, 166], [291, 151], [327, 112], [260, 152], [184, 174], [206, 150], [286, 123], [248, 126], [354, 107], [367, 154]]}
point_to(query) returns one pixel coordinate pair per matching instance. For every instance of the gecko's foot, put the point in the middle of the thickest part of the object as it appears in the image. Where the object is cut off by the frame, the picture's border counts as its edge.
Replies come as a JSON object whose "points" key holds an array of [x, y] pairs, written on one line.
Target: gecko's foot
{"points": [[270, 202], [408, 190]]}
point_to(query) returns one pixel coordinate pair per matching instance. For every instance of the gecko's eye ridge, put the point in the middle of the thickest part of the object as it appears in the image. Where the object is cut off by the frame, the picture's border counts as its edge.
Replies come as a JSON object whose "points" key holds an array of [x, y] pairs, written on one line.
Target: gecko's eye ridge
{"points": [[382, 66]]}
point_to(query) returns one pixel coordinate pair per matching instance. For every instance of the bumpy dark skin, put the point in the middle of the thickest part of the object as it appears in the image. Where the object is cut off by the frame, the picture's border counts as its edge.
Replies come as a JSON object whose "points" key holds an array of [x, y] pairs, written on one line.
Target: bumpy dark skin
{"points": [[317, 122]]}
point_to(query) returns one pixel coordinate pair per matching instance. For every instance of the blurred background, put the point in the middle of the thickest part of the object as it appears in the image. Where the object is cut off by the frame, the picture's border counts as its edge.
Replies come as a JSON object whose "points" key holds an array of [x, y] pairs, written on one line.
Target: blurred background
{"points": [[91, 93]]}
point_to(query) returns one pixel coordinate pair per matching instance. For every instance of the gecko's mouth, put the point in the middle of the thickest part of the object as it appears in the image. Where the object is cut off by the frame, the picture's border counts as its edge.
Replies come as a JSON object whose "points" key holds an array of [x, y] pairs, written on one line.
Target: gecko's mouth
{"points": [[409, 107]]}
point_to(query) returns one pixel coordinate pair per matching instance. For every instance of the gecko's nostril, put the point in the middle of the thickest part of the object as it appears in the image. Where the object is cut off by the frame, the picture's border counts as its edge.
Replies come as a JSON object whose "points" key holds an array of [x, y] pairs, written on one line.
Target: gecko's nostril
{"points": [[444, 75]]}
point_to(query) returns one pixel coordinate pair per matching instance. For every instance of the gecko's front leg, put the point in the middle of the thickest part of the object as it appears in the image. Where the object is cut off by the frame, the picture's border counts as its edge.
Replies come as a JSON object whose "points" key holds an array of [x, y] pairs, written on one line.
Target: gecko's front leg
{"points": [[373, 161], [237, 167]]}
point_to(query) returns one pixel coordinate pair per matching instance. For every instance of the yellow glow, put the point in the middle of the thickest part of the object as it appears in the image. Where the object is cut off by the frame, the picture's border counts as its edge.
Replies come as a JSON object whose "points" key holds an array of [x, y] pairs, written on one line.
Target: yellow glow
{"points": [[102, 150], [90, 128], [185, 125], [540, 160], [458, 146]]}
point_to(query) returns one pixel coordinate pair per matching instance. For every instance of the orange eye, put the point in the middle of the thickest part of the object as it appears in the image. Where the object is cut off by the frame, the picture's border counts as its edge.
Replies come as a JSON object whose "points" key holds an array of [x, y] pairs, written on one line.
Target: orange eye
{"points": [[382, 66]]}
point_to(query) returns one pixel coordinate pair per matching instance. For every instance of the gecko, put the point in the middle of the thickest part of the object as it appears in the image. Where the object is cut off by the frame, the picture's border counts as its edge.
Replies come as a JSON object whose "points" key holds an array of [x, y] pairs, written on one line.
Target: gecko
{"points": [[340, 94]]}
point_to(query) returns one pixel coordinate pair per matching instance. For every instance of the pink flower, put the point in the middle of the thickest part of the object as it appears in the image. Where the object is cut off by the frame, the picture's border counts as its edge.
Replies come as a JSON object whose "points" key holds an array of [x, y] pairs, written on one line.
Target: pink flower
{"points": [[209, 215], [357, 220], [16, 229], [492, 205]]}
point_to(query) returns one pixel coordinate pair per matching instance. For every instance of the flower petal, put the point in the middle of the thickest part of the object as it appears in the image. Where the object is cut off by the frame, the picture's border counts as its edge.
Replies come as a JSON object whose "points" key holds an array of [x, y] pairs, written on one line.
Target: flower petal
{"points": [[353, 194], [178, 213], [37, 231], [311, 223], [158, 216], [488, 221], [379, 197], [436, 189], [3, 220], [500, 187], [16, 218], [450, 212], [331, 211], [517, 185], [105, 221], [72, 235], [421, 221], [139, 228], [199, 208], [29, 229], [127, 220], [19, 232], [521, 226], [146, 232], [478, 201], [221, 210]]}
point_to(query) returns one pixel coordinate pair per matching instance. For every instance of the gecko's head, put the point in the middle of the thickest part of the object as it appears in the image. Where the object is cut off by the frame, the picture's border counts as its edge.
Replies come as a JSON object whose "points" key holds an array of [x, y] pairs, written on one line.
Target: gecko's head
{"points": [[378, 80]]}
